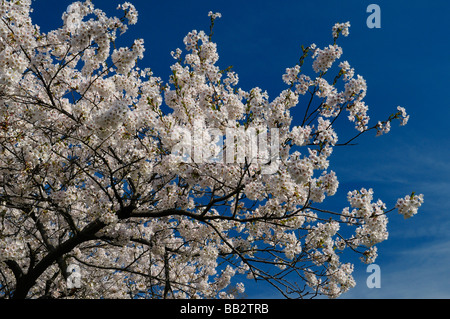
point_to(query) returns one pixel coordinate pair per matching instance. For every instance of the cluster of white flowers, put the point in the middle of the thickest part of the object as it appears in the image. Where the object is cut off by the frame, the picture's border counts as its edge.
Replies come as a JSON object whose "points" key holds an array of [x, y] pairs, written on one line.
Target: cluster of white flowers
{"points": [[409, 205], [73, 16], [109, 217], [329, 182], [225, 277], [304, 82], [18, 34], [370, 255], [131, 13], [383, 127], [325, 132], [341, 28], [300, 135], [300, 169], [114, 116], [356, 88], [191, 40], [291, 74], [369, 215], [214, 15], [11, 249], [340, 280], [324, 58], [358, 114], [404, 116], [240, 287], [322, 234], [348, 71], [255, 190], [11, 67], [293, 246], [324, 89], [125, 58]]}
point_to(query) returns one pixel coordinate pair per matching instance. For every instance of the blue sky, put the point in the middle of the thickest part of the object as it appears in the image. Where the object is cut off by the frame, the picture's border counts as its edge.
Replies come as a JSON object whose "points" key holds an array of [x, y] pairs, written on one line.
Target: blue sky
{"points": [[406, 62]]}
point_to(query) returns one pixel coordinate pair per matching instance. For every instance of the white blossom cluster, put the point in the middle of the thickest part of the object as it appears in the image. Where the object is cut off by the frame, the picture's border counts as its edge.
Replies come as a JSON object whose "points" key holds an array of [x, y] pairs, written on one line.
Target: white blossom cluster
{"points": [[88, 176], [130, 12], [383, 127], [409, 205], [214, 15], [125, 58], [341, 28], [324, 58], [11, 249], [291, 74], [404, 116]]}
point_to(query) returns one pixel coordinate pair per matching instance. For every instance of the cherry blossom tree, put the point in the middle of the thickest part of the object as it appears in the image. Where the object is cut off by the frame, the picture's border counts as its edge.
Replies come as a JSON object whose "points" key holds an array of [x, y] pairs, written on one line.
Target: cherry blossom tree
{"points": [[90, 179]]}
